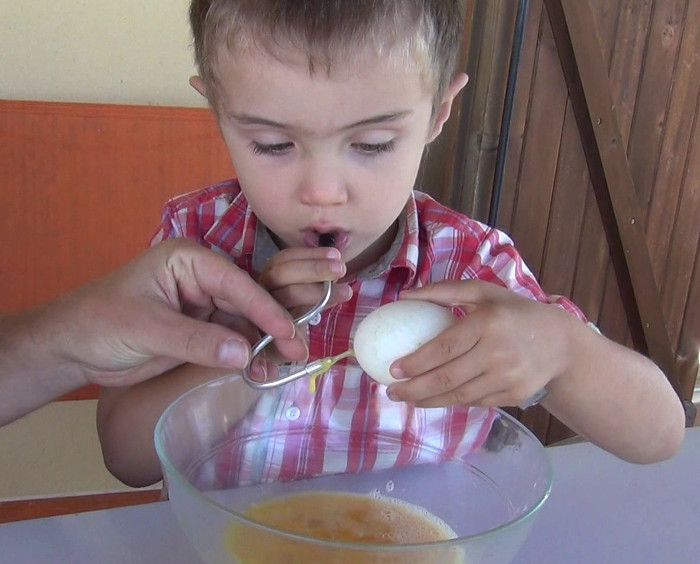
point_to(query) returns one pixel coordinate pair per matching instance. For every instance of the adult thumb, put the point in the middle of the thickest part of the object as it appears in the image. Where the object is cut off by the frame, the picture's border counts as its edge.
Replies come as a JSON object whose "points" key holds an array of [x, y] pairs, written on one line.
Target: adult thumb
{"points": [[198, 342]]}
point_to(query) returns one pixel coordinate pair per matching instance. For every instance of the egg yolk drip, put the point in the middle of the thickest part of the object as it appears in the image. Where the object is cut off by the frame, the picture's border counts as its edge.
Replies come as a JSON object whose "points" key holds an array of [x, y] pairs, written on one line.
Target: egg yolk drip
{"points": [[323, 365]]}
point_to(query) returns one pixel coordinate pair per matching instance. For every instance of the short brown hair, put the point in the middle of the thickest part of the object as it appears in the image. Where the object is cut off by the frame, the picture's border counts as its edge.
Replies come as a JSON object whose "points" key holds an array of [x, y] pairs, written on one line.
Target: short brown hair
{"points": [[328, 29]]}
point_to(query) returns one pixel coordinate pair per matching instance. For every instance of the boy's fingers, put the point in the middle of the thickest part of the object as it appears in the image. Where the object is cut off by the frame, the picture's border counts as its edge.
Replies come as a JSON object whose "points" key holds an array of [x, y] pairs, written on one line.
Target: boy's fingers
{"points": [[454, 342], [302, 272], [454, 292], [293, 350], [299, 265], [300, 298], [301, 253], [441, 381], [450, 399], [440, 389]]}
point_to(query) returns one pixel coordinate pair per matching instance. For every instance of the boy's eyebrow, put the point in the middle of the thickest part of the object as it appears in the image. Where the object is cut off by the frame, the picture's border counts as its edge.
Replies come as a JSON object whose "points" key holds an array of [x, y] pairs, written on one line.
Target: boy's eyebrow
{"points": [[245, 119]]}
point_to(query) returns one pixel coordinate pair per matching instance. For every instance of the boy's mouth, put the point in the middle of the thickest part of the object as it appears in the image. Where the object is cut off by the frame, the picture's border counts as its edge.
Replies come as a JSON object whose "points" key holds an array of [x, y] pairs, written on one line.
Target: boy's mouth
{"points": [[337, 239], [326, 240]]}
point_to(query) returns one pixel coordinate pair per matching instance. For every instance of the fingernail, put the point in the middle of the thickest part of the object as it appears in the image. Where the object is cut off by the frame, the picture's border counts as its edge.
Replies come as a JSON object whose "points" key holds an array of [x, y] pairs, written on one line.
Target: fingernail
{"points": [[348, 292], [397, 373], [391, 394], [234, 353], [337, 268], [258, 369]]}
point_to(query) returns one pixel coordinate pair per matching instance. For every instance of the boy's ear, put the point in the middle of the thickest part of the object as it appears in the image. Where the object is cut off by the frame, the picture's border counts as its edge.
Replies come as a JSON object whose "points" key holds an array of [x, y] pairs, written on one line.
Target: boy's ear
{"points": [[197, 83], [443, 112]]}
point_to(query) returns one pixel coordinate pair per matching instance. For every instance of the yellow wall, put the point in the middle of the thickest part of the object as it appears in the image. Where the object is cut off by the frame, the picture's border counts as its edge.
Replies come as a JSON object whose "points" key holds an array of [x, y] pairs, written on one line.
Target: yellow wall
{"points": [[123, 51]]}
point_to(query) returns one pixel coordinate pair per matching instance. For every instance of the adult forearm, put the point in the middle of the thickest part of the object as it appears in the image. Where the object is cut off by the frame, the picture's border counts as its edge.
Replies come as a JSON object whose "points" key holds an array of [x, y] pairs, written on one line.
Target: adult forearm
{"points": [[32, 372]]}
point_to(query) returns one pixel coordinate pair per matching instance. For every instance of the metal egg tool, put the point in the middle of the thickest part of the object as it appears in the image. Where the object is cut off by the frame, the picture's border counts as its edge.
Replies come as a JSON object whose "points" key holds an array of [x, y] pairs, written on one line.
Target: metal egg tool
{"points": [[318, 367], [310, 369]]}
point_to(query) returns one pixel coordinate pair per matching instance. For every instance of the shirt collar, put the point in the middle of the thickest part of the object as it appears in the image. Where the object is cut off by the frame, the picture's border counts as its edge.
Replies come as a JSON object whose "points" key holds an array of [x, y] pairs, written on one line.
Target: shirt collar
{"points": [[403, 252], [234, 230], [238, 233]]}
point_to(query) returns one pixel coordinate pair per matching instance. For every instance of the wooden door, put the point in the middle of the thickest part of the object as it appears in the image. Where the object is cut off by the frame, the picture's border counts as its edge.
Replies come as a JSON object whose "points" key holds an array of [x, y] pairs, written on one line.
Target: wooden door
{"points": [[600, 184]]}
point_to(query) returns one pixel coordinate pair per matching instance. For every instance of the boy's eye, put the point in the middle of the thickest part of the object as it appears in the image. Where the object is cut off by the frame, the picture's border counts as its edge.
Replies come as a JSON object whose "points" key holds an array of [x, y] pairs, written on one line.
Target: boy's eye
{"points": [[271, 149], [374, 148]]}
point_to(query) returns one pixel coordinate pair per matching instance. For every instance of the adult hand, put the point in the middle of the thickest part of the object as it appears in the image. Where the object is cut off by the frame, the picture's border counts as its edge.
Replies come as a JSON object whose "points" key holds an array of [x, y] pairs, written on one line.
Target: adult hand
{"points": [[139, 321]]}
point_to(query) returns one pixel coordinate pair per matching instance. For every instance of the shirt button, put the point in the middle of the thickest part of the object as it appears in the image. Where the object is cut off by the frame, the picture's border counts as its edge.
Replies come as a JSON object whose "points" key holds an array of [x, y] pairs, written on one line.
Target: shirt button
{"points": [[315, 320], [293, 413]]}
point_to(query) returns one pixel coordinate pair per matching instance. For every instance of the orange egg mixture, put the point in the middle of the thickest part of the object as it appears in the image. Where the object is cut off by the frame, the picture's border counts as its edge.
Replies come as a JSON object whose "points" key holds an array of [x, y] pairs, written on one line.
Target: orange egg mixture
{"points": [[338, 517]]}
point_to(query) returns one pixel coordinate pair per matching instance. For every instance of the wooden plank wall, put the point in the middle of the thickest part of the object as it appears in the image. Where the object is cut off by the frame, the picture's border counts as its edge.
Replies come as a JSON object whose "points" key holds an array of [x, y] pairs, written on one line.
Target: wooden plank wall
{"points": [[547, 205]]}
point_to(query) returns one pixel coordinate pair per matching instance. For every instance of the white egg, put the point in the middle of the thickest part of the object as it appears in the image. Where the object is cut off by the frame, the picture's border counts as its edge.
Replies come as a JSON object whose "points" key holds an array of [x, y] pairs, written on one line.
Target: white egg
{"points": [[395, 330]]}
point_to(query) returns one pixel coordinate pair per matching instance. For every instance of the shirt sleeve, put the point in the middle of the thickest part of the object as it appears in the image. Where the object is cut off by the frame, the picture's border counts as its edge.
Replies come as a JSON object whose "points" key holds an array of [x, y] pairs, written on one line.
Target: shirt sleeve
{"points": [[495, 259]]}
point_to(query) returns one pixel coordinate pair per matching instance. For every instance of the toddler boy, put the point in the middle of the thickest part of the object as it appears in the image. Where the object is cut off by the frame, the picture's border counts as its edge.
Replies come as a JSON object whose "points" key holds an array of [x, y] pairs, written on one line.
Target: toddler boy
{"points": [[326, 108]]}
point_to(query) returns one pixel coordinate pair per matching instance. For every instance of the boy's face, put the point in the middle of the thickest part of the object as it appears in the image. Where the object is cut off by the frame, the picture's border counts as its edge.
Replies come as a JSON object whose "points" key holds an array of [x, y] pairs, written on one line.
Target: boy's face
{"points": [[318, 154]]}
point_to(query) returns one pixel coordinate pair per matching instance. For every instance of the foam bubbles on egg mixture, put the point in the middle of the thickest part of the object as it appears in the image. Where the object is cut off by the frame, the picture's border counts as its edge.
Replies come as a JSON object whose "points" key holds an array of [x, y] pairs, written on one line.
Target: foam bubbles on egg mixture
{"points": [[345, 518], [411, 524], [349, 517]]}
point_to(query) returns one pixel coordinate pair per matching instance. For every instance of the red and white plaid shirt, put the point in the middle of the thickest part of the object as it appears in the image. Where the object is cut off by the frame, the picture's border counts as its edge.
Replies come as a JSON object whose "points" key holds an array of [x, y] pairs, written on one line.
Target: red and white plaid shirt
{"points": [[433, 243]]}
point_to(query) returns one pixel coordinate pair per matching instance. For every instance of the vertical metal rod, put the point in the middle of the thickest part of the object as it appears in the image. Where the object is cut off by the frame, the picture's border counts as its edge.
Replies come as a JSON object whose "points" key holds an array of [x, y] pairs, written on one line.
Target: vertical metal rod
{"points": [[508, 103]]}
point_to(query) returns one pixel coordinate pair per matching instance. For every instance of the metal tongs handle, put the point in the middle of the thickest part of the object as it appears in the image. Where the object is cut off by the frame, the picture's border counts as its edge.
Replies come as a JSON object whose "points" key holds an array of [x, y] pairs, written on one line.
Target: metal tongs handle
{"points": [[308, 369]]}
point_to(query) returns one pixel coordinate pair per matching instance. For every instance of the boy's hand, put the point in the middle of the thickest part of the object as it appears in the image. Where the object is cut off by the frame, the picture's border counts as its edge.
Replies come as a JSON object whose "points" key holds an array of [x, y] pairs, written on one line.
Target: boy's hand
{"points": [[294, 276], [506, 348]]}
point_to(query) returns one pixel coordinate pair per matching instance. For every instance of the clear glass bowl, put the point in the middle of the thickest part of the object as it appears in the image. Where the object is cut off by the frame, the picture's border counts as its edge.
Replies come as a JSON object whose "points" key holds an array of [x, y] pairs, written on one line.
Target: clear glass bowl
{"points": [[488, 496]]}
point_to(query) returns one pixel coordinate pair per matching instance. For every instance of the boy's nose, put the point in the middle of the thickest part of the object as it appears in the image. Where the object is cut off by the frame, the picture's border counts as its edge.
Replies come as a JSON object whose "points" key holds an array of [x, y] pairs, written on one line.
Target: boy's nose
{"points": [[322, 186]]}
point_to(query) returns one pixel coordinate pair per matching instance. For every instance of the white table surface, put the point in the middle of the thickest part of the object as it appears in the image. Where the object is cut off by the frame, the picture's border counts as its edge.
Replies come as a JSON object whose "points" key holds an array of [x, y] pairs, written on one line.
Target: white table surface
{"points": [[600, 510]]}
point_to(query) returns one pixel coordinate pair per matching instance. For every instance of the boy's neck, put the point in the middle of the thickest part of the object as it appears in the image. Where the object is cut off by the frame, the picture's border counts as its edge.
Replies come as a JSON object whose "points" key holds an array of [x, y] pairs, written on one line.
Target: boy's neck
{"points": [[374, 252]]}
